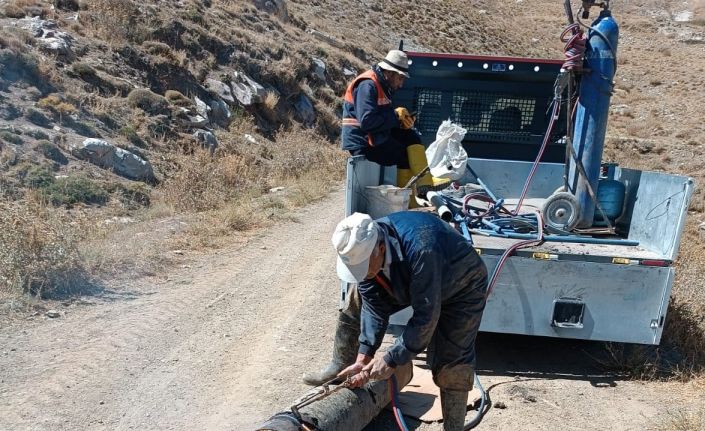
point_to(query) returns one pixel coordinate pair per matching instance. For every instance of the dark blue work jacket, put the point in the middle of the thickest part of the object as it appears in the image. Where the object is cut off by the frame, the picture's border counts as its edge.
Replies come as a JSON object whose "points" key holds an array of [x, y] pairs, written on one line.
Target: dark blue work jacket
{"points": [[431, 264], [368, 116]]}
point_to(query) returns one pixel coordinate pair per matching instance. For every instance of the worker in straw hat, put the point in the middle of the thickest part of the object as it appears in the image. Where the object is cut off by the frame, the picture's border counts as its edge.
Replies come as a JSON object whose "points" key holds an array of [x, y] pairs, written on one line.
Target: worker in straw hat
{"points": [[371, 127], [411, 259]]}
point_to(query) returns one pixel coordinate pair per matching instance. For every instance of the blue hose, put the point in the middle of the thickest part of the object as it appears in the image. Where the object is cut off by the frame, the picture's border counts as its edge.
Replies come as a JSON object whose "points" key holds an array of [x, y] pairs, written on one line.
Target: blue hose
{"points": [[395, 404], [480, 411]]}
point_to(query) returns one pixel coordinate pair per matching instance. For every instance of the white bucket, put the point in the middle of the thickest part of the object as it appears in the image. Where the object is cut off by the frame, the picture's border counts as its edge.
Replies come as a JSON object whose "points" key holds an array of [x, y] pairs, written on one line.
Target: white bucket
{"points": [[386, 199]]}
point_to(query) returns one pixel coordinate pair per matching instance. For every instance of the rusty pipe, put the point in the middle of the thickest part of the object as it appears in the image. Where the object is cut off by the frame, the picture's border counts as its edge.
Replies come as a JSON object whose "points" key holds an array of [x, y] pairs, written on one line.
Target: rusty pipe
{"points": [[344, 409]]}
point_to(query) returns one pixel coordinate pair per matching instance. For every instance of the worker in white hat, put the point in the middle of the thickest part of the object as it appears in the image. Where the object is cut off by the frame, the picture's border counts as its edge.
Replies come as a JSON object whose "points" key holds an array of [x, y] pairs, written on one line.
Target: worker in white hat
{"points": [[371, 127], [412, 259]]}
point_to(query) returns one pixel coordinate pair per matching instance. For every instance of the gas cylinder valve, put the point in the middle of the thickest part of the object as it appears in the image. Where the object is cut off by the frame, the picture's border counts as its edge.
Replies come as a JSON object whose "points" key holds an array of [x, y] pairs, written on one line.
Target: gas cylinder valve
{"points": [[587, 4]]}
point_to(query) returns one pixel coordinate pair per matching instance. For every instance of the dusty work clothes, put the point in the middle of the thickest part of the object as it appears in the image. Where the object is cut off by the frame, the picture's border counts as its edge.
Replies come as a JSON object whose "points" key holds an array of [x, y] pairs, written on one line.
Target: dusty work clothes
{"points": [[433, 269], [370, 125]]}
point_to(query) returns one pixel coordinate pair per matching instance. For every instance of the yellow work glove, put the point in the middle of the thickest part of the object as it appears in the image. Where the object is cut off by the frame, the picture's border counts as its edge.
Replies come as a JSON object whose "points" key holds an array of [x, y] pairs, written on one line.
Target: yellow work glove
{"points": [[406, 120]]}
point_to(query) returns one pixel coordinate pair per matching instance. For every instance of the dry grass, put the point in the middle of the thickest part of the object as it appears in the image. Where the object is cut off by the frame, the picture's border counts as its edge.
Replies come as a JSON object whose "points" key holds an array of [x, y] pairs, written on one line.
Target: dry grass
{"points": [[38, 254], [22, 8], [56, 104], [230, 190], [116, 21], [682, 421], [203, 182]]}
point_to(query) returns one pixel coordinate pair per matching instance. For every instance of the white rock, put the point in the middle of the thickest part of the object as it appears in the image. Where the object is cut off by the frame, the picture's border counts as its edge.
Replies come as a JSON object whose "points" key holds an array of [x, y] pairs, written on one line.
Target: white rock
{"points": [[325, 38], [48, 37], [207, 139], [246, 90], [190, 119], [119, 220], [683, 16], [319, 68], [202, 108], [251, 139], [108, 156], [220, 112], [220, 89], [53, 314]]}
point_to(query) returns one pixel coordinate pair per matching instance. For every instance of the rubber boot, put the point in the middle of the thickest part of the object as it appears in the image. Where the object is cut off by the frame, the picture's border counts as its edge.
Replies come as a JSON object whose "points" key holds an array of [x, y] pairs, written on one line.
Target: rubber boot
{"points": [[455, 406], [403, 177], [345, 349], [418, 162]]}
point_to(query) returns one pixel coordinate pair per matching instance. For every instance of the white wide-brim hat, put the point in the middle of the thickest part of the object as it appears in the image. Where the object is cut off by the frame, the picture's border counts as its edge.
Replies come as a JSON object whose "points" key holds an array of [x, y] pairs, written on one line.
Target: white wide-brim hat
{"points": [[396, 61], [354, 239]]}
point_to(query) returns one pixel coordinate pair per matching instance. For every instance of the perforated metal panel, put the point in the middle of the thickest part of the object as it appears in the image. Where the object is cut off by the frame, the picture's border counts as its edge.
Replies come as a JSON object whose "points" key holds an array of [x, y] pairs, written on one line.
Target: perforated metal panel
{"points": [[493, 112], [427, 104], [505, 111]]}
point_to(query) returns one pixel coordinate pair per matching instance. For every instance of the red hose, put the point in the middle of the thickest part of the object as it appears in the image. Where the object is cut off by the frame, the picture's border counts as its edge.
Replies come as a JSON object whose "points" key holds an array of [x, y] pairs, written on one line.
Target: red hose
{"points": [[542, 150], [508, 252], [575, 43]]}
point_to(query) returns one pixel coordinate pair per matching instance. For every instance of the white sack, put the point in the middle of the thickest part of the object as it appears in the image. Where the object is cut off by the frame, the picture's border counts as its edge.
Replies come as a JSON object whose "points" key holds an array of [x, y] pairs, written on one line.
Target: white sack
{"points": [[446, 156]]}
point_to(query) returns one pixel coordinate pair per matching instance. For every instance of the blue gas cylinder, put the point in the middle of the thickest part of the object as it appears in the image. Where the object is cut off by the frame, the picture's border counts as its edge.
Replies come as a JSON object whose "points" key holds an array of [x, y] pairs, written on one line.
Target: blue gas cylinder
{"points": [[610, 195], [592, 110]]}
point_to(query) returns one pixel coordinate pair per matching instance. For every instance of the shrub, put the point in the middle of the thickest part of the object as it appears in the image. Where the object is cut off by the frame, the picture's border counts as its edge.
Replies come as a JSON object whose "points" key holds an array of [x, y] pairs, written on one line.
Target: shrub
{"points": [[148, 101], [158, 48], [23, 8], [17, 65], [38, 253], [51, 152], [203, 182], [37, 118], [72, 190], [11, 138], [82, 128], [56, 104], [36, 134], [70, 5], [38, 177], [133, 196], [113, 19], [83, 70], [176, 98], [130, 133], [16, 41]]}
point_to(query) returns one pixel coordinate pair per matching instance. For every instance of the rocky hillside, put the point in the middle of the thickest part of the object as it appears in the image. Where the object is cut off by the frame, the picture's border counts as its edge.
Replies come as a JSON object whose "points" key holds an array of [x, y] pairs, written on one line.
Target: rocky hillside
{"points": [[121, 85]]}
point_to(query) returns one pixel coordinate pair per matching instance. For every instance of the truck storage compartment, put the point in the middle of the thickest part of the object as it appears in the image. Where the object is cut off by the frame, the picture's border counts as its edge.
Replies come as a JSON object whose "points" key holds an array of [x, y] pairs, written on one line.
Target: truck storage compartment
{"points": [[621, 303]]}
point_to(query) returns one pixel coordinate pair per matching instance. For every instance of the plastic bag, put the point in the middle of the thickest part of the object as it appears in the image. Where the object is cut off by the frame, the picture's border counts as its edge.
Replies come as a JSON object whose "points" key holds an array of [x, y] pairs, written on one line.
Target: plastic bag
{"points": [[446, 156]]}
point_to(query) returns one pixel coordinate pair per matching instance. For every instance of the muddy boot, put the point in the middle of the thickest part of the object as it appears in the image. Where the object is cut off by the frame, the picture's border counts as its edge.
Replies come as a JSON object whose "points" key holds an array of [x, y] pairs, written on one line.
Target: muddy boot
{"points": [[345, 349], [454, 405]]}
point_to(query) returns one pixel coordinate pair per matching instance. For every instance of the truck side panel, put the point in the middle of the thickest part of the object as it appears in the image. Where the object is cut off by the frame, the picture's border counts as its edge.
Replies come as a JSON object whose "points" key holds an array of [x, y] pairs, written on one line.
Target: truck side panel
{"points": [[655, 209], [622, 303]]}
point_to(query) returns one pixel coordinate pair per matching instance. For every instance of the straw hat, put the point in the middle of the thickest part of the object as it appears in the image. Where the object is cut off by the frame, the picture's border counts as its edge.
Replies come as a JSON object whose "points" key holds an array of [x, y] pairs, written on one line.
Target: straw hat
{"points": [[396, 61]]}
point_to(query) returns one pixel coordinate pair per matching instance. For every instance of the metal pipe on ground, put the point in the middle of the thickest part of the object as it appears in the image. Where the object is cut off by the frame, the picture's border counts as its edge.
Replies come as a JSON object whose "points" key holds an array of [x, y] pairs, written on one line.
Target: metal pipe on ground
{"points": [[345, 409]]}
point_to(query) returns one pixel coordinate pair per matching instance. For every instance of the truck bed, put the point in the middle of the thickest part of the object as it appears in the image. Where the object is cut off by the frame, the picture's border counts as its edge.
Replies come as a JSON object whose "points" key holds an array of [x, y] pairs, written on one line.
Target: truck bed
{"points": [[563, 250]]}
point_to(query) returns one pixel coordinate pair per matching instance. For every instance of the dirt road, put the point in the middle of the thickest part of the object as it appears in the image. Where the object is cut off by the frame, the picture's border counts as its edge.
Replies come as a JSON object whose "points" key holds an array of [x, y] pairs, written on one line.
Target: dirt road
{"points": [[221, 344]]}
